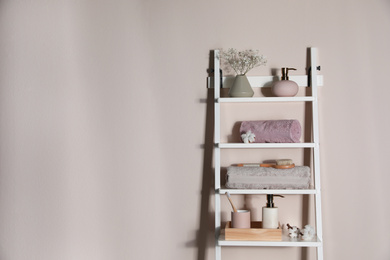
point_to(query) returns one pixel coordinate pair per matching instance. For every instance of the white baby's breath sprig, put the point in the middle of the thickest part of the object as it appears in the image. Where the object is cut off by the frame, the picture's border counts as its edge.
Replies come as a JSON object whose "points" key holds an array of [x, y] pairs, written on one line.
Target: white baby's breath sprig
{"points": [[243, 61]]}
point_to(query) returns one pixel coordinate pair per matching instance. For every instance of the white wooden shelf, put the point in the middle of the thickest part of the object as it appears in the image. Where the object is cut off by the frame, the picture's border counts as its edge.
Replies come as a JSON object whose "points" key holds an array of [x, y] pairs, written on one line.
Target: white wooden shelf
{"points": [[264, 145], [286, 242], [265, 81], [266, 191], [263, 99]]}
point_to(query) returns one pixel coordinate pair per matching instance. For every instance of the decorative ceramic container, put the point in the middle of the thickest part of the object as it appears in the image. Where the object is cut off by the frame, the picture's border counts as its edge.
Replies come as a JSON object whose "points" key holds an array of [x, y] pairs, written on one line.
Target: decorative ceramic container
{"points": [[241, 87], [241, 219], [285, 87]]}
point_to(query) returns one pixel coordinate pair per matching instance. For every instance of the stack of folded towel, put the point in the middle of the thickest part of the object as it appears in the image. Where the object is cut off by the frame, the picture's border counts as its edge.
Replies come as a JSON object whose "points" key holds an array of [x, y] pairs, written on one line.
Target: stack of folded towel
{"points": [[267, 178]]}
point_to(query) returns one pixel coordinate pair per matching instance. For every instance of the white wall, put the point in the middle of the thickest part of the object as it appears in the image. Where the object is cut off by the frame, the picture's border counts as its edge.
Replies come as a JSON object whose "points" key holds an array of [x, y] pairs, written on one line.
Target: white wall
{"points": [[103, 123]]}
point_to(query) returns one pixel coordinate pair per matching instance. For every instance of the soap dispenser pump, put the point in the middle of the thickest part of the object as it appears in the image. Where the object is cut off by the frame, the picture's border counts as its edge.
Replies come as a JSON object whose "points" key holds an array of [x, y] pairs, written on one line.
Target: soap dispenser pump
{"points": [[270, 213], [285, 87]]}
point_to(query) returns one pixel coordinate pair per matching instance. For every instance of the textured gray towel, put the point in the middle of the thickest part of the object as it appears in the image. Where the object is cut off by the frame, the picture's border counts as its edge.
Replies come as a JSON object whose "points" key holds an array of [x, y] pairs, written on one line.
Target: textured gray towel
{"points": [[267, 178]]}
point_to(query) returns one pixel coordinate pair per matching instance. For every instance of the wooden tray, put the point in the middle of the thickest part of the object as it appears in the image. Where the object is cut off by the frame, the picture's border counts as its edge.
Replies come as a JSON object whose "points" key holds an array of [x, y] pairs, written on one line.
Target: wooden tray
{"points": [[256, 232]]}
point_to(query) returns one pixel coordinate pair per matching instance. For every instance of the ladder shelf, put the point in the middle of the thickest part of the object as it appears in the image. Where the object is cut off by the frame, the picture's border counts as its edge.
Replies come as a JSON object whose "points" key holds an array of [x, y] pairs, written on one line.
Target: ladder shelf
{"points": [[315, 191]]}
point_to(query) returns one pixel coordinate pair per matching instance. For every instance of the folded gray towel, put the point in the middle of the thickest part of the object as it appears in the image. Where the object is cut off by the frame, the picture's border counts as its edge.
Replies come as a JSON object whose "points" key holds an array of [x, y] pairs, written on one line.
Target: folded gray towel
{"points": [[267, 178]]}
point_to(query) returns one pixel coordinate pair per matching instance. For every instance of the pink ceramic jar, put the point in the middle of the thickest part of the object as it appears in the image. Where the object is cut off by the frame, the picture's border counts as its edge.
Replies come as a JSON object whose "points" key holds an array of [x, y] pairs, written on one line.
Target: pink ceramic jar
{"points": [[285, 87]]}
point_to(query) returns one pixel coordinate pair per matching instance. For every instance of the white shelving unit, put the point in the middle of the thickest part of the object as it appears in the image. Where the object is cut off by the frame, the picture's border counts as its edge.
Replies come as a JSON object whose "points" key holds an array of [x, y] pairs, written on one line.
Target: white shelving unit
{"points": [[302, 81]]}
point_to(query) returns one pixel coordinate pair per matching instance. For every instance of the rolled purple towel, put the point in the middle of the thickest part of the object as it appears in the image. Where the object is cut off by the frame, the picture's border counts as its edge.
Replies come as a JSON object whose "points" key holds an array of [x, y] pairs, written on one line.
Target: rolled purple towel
{"points": [[273, 131]]}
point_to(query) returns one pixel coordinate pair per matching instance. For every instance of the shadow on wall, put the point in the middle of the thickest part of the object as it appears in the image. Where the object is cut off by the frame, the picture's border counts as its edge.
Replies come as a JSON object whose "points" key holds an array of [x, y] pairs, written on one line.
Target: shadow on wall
{"points": [[205, 234], [307, 124]]}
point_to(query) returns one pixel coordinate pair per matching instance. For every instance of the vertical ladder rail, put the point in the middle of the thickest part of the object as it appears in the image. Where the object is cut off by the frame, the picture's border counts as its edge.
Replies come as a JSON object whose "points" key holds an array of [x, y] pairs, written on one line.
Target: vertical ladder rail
{"points": [[217, 153], [317, 180]]}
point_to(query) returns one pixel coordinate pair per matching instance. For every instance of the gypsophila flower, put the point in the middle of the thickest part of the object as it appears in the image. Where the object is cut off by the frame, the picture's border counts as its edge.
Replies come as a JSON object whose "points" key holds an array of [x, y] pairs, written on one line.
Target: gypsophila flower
{"points": [[243, 61]]}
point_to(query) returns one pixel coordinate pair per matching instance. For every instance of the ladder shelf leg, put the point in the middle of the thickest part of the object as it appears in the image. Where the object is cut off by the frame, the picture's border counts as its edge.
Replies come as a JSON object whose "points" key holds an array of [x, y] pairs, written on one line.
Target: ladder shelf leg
{"points": [[316, 155]]}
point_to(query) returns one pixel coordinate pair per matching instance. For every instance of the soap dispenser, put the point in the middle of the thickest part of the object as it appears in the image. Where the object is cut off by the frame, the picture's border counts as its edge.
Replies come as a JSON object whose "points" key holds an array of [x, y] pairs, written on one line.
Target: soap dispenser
{"points": [[285, 87], [270, 213]]}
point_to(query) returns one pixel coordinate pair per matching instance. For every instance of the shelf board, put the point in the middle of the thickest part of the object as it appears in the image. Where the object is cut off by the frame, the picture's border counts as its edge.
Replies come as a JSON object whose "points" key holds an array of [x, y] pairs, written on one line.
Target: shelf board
{"points": [[263, 99], [286, 241], [265, 145], [265, 191], [265, 81]]}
